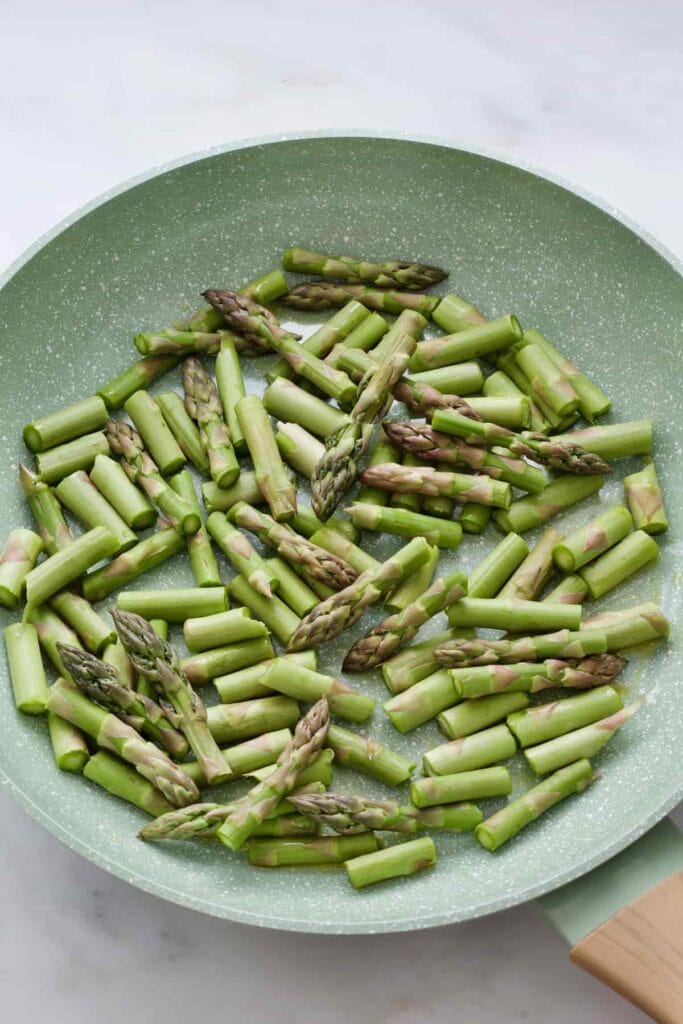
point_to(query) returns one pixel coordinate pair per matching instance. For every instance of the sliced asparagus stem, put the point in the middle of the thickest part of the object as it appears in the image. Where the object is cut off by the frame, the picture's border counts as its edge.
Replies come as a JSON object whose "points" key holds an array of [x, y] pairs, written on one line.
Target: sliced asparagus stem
{"points": [[221, 499], [286, 401], [319, 770], [26, 671], [474, 518], [323, 295], [409, 500], [439, 532], [268, 288], [515, 616], [531, 576], [202, 558], [644, 497], [457, 379], [288, 826], [547, 419], [56, 463], [246, 683], [230, 384], [396, 861], [271, 476], [331, 540], [243, 556], [65, 424], [350, 815], [306, 523], [157, 438], [110, 479], [46, 511], [203, 667], [414, 586], [51, 632], [470, 343], [547, 380], [210, 631], [536, 725], [146, 555], [414, 663], [506, 411], [184, 430], [291, 588], [363, 337], [592, 540], [240, 721], [368, 756], [421, 702], [480, 784], [561, 644], [455, 314], [140, 375], [334, 331], [619, 563], [614, 440], [487, 578], [171, 341], [123, 781], [581, 743], [471, 716], [280, 620], [570, 590], [246, 757], [530, 677], [631, 626], [67, 564], [308, 686], [592, 401], [79, 495], [502, 826], [277, 853], [502, 386], [71, 751], [175, 605], [536, 509], [478, 750], [298, 448], [78, 613], [18, 557], [445, 507]]}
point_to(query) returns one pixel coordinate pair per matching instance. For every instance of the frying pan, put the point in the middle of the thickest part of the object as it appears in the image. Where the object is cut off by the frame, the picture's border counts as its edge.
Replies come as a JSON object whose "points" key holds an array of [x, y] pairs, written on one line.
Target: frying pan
{"points": [[605, 293]]}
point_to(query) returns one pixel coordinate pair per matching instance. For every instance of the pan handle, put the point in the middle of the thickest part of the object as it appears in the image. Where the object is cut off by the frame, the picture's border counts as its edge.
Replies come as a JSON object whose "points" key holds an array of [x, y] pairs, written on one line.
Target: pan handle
{"points": [[624, 922]]}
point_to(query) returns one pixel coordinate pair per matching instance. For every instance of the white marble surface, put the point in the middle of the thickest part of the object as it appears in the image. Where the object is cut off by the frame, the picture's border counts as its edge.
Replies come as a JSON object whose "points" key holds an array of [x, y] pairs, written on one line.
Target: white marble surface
{"points": [[91, 94]]}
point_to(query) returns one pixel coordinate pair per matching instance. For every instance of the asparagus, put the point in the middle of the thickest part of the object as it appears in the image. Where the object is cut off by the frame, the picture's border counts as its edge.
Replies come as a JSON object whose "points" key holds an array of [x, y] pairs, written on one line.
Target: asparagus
{"points": [[470, 343], [202, 668], [58, 462], [112, 734], [408, 274], [71, 751], [580, 743], [66, 424], [157, 438], [159, 662], [397, 630], [311, 560], [467, 753], [174, 605], [363, 337], [245, 757], [350, 815], [474, 518], [220, 499], [412, 664], [140, 375], [630, 626], [183, 429], [369, 756], [614, 440], [506, 411], [441, 532], [231, 627], [619, 563], [530, 577], [286, 401], [344, 548], [279, 619], [81, 616], [146, 555], [319, 770], [307, 523], [480, 784], [458, 379], [51, 632], [142, 684], [471, 716], [644, 497], [202, 558], [142, 470], [421, 702], [80, 496], [342, 609], [515, 616], [230, 386], [536, 509], [331, 333], [102, 684], [204, 406], [499, 384], [246, 682], [116, 657], [175, 343], [26, 671], [277, 853], [322, 295], [271, 475], [287, 826], [298, 448], [245, 559], [570, 590], [592, 540], [547, 380], [456, 314], [122, 781], [306, 685], [67, 564], [291, 588], [253, 808], [425, 480], [46, 511], [198, 821], [542, 414], [536, 725], [507, 822], [111, 481], [414, 586], [18, 557], [530, 677], [562, 644], [495, 569], [244, 719], [396, 861], [267, 288]]}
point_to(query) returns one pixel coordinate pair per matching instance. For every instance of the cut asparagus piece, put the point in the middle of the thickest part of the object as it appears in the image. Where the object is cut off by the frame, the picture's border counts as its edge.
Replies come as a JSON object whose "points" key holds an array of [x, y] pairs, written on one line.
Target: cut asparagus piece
{"points": [[291, 588], [46, 511], [287, 826], [614, 440], [644, 497], [156, 436], [307, 523], [368, 756], [457, 379], [246, 682], [397, 861], [470, 343], [471, 716], [363, 337], [536, 509], [581, 743], [323, 295], [146, 555], [467, 753], [115, 656], [175, 605], [487, 578], [79, 495], [456, 314], [414, 586], [202, 668], [111, 481], [421, 702], [593, 401], [244, 557], [56, 463], [547, 380], [271, 475], [279, 619], [592, 540], [71, 751], [51, 632], [277, 853], [267, 288], [536, 725], [140, 375], [474, 518], [26, 671], [231, 722], [561, 644], [18, 557], [245, 757], [308, 686], [67, 564], [502, 826], [631, 626], [570, 590], [412, 664], [514, 616], [440, 532], [183, 429], [231, 627], [230, 386], [530, 677], [424, 480], [499, 384], [319, 770], [331, 333], [81, 616], [286, 401], [619, 563], [480, 784], [530, 577], [65, 424], [220, 499], [202, 558], [123, 781], [506, 411], [332, 541]]}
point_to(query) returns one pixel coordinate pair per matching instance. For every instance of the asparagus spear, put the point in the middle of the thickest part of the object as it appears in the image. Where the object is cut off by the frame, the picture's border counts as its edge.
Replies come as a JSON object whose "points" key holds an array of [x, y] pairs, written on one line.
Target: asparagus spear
{"points": [[245, 488], [502, 826], [408, 274], [630, 626], [230, 386], [198, 821], [287, 826], [330, 334], [349, 815], [441, 532], [46, 511], [499, 384], [286, 401], [26, 671], [487, 578], [535, 509], [140, 375], [458, 379], [291, 587], [506, 411], [111, 481], [202, 558], [245, 559], [644, 497], [202, 668], [415, 586], [479, 784], [547, 380], [184, 429], [592, 401], [471, 716], [240, 721], [414, 663], [204, 406], [175, 343], [174, 605], [252, 809], [111, 733], [157, 438], [51, 631], [311, 561], [17, 558], [478, 750], [306, 685], [425, 480], [79, 495], [421, 702], [71, 752], [530, 677], [319, 770], [246, 682], [369, 756], [277, 853], [142, 470], [146, 555], [344, 608], [65, 424], [363, 337], [67, 564], [536, 725], [159, 662], [614, 440], [471, 343], [475, 518], [570, 590], [123, 781], [530, 577], [562, 644], [210, 631], [271, 475], [344, 548], [81, 616], [592, 540], [397, 630], [394, 862], [267, 288], [102, 684], [581, 743], [245, 757], [298, 448], [515, 616], [456, 314], [619, 563], [58, 462], [322, 295]]}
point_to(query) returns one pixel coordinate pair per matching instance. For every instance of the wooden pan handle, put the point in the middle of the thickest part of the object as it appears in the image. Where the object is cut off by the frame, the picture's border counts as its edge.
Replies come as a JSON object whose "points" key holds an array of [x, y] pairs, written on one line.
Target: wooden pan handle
{"points": [[639, 952]]}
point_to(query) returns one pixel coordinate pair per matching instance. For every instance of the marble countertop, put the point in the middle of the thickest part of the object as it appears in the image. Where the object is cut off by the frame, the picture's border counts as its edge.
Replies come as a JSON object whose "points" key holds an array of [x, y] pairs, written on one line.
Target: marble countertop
{"points": [[93, 94]]}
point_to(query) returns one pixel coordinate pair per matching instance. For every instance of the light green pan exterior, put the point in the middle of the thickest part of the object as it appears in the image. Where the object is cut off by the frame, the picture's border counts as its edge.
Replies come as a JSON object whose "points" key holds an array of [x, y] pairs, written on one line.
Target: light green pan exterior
{"points": [[594, 284]]}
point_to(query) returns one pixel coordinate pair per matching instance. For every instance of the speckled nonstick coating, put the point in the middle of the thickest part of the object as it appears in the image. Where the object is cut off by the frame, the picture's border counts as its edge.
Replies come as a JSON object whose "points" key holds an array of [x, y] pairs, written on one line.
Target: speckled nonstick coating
{"points": [[605, 293]]}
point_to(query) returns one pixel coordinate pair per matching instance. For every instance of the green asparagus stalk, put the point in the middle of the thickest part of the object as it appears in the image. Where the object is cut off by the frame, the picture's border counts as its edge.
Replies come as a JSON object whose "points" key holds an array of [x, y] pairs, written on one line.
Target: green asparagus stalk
{"points": [[474, 518], [230, 386], [334, 331], [184, 430], [199, 821], [580, 743], [271, 475], [547, 419], [67, 564], [614, 440], [487, 578], [123, 781], [471, 716], [286, 401], [570, 590], [116, 657], [479, 784], [368, 756], [245, 559], [539, 724], [65, 424], [499, 384], [71, 751], [322, 295], [561, 644], [530, 577], [152, 427], [140, 375], [81, 616], [202, 668], [231, 627], [350, 815], [246, 682], [174, 605], [515, 616], [170, 341], [506, 411], [421, 702], [277, 853], [146, 555], [440, 532], [456, 314], [425, 480], [26, 671], [344, 608], [536, 509], [530, 677], [291, 588], [221, 499], [507, 822], [414, 663], [547, 380], [267, 288], [397, 861], [204, 406], [307, 523], [619, 563], [319, 770], [644, 497], [245, 719], [51, 632], [397, 630], [596, 537], [280, 620], [18, 557], [478, 750], [298, 448], [406, 274], [413, 587], [202, 558], [79, 495], [46, 511], [470, 343], [246, 757], [641, 624], [592, 401], [287, 826], [457, 379], [160, 663], [343, 547], [56, 463], [308, 739], [142, 470], [363, 337], [308, 686], [111, 481]]}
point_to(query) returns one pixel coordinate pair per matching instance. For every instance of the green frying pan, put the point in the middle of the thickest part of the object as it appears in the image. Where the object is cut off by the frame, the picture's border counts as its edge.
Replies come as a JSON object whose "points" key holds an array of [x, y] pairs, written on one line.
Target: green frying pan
{"points": [[607, 295]]}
